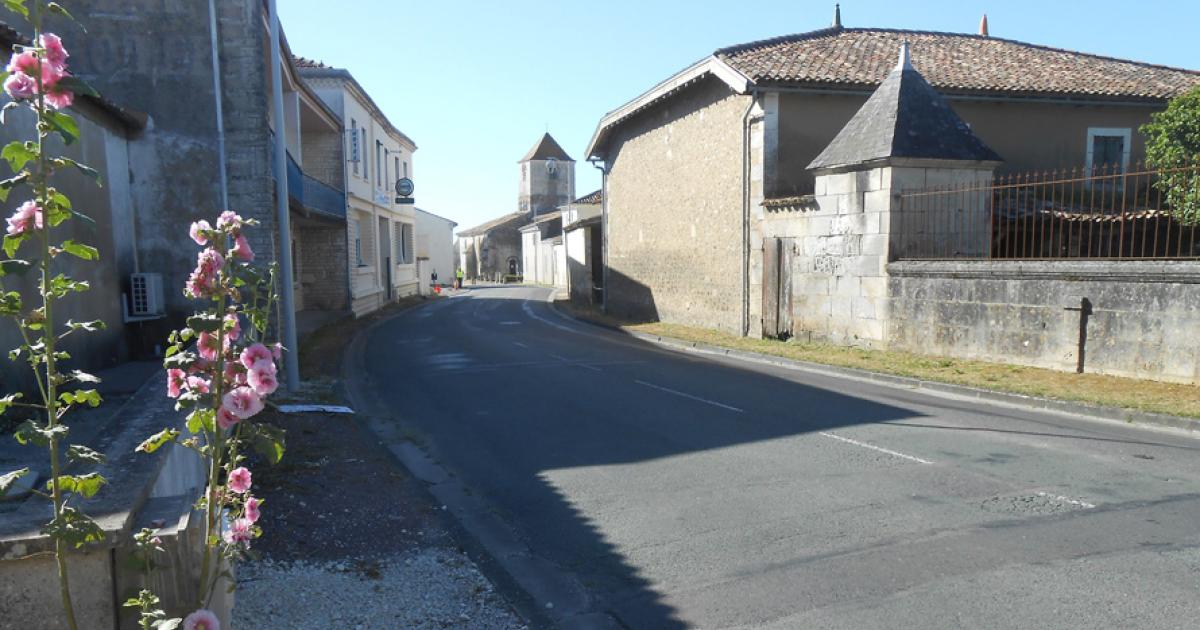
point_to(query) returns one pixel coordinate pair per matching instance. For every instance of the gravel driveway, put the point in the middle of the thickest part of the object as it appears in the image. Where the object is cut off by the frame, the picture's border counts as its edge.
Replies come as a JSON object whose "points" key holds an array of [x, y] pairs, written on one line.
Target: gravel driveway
{"points": [[352, 541]]}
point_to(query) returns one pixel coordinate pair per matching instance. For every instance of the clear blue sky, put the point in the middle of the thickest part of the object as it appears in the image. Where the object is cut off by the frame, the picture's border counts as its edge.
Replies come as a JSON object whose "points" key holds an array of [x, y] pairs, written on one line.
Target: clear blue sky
{"points": [[475, 83]]}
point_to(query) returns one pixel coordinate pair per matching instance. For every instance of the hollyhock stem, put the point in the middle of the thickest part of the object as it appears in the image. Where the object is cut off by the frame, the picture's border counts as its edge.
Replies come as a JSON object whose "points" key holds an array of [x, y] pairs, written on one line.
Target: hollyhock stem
{"points": [[41, 185], [212, 513]]}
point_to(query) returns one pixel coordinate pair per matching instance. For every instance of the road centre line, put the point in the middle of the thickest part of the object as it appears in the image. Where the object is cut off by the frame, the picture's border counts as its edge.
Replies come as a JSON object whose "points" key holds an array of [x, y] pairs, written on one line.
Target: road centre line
{"points": [[689, 396], [876, 448]]}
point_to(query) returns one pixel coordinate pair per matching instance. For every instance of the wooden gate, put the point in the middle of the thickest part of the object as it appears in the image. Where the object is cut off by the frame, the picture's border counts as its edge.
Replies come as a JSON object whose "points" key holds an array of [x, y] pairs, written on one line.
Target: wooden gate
{"points": [[777, 287]]}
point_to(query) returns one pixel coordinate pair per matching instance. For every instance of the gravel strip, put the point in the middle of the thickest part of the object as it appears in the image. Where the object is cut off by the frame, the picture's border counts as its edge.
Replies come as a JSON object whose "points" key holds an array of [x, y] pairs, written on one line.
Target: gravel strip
{"points": [[428, 588]]}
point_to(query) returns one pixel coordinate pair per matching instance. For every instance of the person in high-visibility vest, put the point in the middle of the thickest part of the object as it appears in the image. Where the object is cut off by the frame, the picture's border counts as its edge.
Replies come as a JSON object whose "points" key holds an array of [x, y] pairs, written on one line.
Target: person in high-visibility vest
{"points": [[458, 278]]}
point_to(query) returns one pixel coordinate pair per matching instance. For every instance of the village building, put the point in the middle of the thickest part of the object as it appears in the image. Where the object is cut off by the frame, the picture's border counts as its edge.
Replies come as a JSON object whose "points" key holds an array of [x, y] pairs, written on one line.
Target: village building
{"points": [[697, 167], [583, 249], [435, 250], [495, 250], [379, 232]]}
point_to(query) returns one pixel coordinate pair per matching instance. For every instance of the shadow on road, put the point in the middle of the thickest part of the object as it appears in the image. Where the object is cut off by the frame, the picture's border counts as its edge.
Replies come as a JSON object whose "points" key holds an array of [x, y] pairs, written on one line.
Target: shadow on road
{"points": [[502, 430]]}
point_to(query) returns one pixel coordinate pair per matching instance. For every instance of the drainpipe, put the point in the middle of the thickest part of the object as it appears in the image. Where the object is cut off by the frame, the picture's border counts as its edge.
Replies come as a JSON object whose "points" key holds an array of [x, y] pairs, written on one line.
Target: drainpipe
{"points": [[603, 168], [217, 94], [746, 213], [291, 361]]}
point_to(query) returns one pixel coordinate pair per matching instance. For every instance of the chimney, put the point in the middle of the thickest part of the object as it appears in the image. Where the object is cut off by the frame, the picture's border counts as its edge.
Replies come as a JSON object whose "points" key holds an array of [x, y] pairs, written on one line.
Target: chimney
{"points": [[904, 63], [983, 30], [837, 16]]}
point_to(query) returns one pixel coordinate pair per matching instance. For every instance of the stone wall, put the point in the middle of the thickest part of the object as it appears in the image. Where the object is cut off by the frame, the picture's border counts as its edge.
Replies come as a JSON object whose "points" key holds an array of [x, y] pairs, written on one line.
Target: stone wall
{"points": [[1143, 322], [155, 57], [675, 210], [323, 266]]}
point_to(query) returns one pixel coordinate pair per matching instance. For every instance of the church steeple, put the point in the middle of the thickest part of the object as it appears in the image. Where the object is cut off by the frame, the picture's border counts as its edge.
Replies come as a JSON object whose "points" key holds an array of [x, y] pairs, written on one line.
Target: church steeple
{"points": [[547, 178]]}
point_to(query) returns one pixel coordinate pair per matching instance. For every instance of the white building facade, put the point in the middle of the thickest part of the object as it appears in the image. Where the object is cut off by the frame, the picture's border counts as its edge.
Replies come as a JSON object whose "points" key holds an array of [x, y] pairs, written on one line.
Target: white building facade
{"points": [[435, 249], [381, 235]]}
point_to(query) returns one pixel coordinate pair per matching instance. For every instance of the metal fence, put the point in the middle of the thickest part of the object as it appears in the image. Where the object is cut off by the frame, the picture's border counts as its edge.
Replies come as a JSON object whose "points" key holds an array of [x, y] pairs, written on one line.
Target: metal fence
{"points": [[1106, 212]]}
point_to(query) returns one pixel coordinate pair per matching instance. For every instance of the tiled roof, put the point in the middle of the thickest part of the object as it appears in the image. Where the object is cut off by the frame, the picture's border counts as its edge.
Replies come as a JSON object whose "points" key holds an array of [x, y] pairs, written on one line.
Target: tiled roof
{"points": [[951, 62], [514, 218], [590, 199], [304, 62], [904, 118], [545, 149]]}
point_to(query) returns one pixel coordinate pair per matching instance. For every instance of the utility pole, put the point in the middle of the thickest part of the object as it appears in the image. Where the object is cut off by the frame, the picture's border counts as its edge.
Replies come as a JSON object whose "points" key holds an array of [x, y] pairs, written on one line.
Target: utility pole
{"points": [[291, 358]]}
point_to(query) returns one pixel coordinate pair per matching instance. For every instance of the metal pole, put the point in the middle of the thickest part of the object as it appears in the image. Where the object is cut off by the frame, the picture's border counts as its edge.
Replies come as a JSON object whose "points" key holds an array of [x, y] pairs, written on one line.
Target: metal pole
{"points": [[216, 67], [291, 361]]}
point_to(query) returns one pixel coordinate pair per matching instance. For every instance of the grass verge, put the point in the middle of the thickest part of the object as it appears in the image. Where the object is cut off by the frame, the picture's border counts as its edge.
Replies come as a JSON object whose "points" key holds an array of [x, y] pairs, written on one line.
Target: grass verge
{"points": [[1096, 389]]}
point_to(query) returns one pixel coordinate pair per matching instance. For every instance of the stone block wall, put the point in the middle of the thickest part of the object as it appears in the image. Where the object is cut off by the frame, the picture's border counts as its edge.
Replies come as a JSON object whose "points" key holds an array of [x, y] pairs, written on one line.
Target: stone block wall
{"points": [[1143, 322], [323, 266], [323, 158], [675, 211]]}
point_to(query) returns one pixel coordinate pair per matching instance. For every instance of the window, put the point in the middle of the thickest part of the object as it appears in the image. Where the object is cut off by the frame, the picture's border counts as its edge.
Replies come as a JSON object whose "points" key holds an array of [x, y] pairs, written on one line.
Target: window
{"points": [[398, 167], [1108, 150], [404, 244], [354, 144], [406, 169], [366, 171], [378, 163], [356, 232]]}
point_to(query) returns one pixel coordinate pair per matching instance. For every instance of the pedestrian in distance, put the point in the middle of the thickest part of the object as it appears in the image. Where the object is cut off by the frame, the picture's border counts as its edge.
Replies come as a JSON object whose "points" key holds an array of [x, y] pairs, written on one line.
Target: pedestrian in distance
{"points": [[458, 278]]}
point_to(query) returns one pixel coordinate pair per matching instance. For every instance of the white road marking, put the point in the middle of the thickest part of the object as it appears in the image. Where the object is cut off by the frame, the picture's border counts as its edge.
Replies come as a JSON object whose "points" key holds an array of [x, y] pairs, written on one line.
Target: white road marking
{"points": [[876, 448], [519, 344], [576, 363], [529, 311], [1083, 504], [689, 396], [510, 323]]}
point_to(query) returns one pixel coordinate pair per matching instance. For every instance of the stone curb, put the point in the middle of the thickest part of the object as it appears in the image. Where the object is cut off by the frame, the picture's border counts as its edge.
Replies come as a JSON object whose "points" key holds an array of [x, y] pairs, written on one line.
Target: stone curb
{"points": [[1112, 414]]}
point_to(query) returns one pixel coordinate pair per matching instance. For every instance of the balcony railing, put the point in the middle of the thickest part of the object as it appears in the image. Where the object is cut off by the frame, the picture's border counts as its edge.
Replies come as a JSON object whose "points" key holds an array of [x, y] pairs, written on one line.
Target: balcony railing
{"points": [[313, 194]]}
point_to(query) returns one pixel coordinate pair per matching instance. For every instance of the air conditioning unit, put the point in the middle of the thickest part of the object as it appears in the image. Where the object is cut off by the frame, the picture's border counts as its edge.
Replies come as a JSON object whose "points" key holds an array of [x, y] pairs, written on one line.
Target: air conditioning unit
{"points": [[146, 294]]}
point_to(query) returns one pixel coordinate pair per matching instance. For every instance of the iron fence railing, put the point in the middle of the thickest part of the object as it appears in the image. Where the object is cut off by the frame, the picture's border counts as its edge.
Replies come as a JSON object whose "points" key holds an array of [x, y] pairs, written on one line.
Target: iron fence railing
{"points": [[1106, 212], [308, 191]]}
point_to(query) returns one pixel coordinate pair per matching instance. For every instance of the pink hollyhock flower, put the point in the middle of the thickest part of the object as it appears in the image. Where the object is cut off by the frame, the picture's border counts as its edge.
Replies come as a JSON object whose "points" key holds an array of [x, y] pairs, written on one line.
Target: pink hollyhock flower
{"points": [[239, 531], [229, 219], [235, 373], [242, 402], [208, 346], [196, 231], [20, 86], [239, 480], [175, 381], [197, 384], [253, 354], [51, 75], [277, 350], [252, 509], [193, 287], [26, 218], [59, 99], [23, 63], [209, 262], [233, 333], [262, 378], [201, 620], [225, 418], [55, 53], [241, 249]]}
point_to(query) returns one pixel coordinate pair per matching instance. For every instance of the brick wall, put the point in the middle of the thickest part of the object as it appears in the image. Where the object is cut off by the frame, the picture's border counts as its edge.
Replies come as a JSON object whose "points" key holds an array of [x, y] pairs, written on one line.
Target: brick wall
{"points": [[323, 266], [323, 158], [675, 211]]}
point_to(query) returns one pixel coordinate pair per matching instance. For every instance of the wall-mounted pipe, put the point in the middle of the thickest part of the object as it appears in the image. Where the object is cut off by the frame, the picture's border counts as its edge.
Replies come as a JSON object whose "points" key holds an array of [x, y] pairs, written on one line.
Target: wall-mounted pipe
{"points": [[217, 96]]}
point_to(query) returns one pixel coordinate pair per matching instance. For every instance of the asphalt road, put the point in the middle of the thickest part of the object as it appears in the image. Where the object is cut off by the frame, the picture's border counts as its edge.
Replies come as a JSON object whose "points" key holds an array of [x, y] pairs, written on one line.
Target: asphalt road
{"points": [[636, 487]]}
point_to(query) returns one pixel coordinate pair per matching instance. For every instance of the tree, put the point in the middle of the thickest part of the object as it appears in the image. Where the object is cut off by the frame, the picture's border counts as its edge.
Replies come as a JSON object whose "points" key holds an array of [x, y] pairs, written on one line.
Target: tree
{"points": [[1173, 148]]}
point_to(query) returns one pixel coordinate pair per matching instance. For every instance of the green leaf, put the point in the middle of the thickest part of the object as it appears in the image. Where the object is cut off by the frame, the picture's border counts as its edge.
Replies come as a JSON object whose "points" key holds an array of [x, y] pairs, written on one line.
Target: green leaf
{"points": [[92, 326], [78, 86], [19, 153], [157, 441], [201, 420], [64, 124], [83, 168], [58, 9], [167, 624], [7, 185], [268, 441], [10, 303], [81, 453], [79, 250], [18, 7], [13, 265], [8, 401], [90, 397], [85, 485], [59, 199], [74, 527], [205, 322], [11, 243], [8, 479]]}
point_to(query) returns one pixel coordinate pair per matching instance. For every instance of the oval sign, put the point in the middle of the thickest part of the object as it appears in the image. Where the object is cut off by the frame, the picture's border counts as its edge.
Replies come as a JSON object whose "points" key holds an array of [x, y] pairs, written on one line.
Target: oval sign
{"points": [[404, 187]]}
